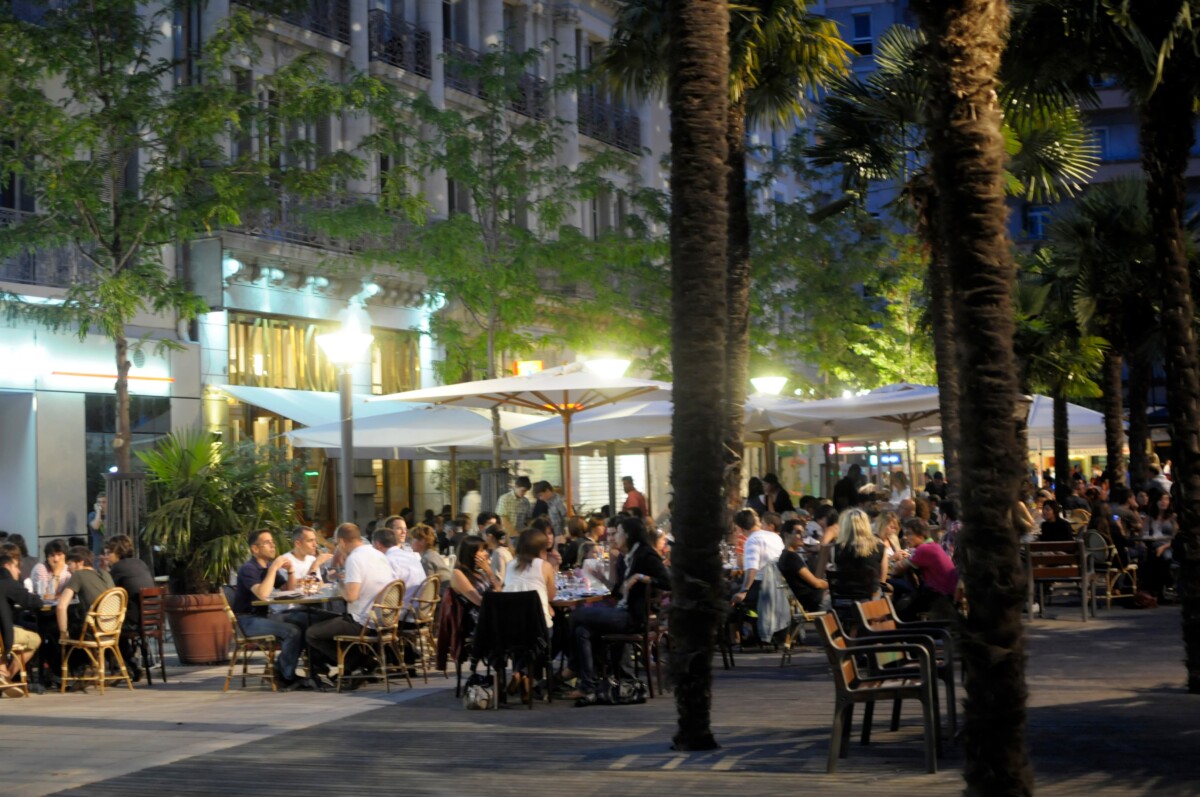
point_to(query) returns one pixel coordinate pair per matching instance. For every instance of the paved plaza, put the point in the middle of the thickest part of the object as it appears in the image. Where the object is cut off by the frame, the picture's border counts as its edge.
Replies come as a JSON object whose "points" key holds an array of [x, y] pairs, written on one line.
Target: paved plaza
{"points": [[1107, 716]]}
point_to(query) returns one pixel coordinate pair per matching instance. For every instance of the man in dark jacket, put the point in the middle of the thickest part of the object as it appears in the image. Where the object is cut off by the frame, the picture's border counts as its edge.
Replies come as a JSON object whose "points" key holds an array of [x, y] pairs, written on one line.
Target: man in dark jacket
{"points": [[13, 595], [845, 492]]}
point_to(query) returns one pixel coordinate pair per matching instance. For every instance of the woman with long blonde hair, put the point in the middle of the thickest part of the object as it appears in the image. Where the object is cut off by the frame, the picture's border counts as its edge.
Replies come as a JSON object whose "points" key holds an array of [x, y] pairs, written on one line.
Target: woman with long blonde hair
{"points": [[858, 558], [887, 529]]}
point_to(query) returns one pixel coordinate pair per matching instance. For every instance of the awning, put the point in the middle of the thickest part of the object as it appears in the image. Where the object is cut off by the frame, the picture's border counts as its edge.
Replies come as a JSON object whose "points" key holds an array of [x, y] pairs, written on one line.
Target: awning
{"points": [[309, 407]]}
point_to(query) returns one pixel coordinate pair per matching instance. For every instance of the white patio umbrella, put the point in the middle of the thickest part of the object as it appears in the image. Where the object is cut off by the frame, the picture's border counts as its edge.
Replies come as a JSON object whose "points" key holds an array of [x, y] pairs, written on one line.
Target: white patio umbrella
{"points": [[417, 433], [565, 391], [1086, 426]]}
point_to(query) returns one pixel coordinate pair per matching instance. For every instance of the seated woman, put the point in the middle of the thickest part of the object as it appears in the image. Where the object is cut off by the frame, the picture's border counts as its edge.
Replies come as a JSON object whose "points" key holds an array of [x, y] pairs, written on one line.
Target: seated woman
{"points": [[424, 543], [50, 576], [497, 545], [1159, 527], [472, 576], [860, 573], [529, 572], [643, 568], [808, 589]]}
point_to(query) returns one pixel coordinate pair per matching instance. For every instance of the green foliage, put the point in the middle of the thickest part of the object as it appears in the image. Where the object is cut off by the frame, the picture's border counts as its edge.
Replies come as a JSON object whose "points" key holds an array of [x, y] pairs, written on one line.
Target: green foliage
{"points": [[126, 151], [206, 497], [510, 273]]}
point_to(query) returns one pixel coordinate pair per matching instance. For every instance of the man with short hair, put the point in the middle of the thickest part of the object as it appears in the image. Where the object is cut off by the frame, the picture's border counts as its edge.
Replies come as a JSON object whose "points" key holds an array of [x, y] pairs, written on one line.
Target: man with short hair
{"points": [[906, 509], [514, 508], [405, 565], [132, 575], [13, 595], [305, 556], [771, 521], [95, 522], [938, 488], [1077, 499], [483, 520], [556, 509], [263, 573], [367, 572], [633, 498], [87, 583]]}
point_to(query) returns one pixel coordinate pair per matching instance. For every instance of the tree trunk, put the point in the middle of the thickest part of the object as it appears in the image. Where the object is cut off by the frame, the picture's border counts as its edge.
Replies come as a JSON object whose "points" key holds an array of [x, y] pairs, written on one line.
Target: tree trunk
{"points": [[1141, 372], [1167, 136], [698, 94], [941, 316], [1062, 449], [123, 437], [1114, 429], [967, 163], [737, 295]]}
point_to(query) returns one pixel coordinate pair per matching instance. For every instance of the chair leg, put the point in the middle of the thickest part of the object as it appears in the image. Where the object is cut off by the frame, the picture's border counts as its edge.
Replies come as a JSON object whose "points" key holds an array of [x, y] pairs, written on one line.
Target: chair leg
{"points": [[232, 663], [845, 748], [868, 716], [932, 734], [100, 668], [951, 700], [341, 664], [162, 659], [896, 714], [646, 659], [245, 666], [121, 664], [840, 721], [144, 644], [383, 666], [64, 654]]}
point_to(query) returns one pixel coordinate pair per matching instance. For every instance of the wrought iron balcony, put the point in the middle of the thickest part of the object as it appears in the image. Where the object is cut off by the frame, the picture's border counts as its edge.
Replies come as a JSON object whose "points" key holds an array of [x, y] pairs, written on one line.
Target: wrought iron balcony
{"points": [[457, 57], [610, 122], [532, 98], [56, 267], [328, 18], [399, 43]]}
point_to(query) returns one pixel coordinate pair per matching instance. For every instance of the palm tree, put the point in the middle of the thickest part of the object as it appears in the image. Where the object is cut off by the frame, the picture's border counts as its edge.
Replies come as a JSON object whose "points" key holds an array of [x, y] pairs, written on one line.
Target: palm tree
{"points": [[777, 50], [875, 129], [1102, 246], [1152, 48], [698, 95], [967, 155]]}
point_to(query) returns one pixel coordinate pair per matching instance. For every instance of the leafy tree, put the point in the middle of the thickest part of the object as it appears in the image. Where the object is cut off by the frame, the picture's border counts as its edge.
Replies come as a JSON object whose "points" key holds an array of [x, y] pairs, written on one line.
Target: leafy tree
{"points": [[125, 159], [698, 96], [1152, 49], [966, 168], [777, 51], [876, 129], [512, 271]]}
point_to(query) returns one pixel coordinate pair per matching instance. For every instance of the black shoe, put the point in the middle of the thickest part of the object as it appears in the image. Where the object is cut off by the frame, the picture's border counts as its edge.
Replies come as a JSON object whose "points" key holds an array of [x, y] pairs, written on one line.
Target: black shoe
{"points": [[135, 671]]}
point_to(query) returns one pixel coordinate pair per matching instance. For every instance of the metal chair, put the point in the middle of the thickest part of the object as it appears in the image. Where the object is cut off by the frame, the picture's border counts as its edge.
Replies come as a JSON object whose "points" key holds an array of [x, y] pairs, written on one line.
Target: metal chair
{"points": [[246, 646], [151, 625], [100, 633], [378, 637], [646, 641]]}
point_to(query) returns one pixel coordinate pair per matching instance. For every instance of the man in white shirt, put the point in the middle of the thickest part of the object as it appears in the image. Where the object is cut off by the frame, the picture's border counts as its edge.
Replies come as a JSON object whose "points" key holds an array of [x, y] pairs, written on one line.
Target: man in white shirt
{"points": [[763, 547], [472, 503], [405, 565], [304, 556], [367, 572]]}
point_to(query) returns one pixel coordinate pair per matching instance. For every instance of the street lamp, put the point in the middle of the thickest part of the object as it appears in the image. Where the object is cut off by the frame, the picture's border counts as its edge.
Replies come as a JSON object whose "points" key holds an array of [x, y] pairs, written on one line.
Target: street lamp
{"points": [[769, 385], [345, 349]]}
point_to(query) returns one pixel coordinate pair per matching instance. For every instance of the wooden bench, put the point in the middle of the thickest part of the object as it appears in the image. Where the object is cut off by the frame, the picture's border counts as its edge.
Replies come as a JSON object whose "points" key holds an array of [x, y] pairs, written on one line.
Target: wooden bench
{"points": [[1057, 565]]}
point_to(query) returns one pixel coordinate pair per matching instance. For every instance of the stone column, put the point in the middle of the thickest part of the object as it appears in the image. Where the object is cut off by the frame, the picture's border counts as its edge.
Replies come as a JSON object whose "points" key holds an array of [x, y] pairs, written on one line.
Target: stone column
{"points": [[430, 19], [491, 24], [356, 126], [566, 104]]}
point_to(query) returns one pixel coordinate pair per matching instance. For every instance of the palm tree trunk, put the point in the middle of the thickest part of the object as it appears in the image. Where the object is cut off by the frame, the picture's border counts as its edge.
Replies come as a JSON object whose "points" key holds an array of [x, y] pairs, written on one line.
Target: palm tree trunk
{"points": [[945, 353], [698, 94], [1062, 449], [1114, 429], [124, 436], [967, 162], [1167, 136], [737, 293], [1140, 374]]}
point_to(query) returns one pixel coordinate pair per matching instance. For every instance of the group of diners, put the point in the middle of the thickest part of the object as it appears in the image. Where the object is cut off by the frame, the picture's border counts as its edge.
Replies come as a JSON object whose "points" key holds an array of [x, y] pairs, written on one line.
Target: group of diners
{"points": [[841, 559], [44, 602]]}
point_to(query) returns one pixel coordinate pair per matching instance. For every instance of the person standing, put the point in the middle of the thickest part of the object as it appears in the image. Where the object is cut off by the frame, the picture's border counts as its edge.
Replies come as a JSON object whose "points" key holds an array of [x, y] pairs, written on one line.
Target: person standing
{"points": [[845, 492], [472, 502], [513, 508], [633, 498], [775, 498], [95, 522], [556, 508]]}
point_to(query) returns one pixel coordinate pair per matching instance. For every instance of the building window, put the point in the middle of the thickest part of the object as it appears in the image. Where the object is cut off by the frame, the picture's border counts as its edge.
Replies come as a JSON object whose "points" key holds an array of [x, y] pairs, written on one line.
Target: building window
{"points": [[14, 191], [283, 353], [862, 41], [149, 419], [1037, 219], [1100, 140], [458, 197]]}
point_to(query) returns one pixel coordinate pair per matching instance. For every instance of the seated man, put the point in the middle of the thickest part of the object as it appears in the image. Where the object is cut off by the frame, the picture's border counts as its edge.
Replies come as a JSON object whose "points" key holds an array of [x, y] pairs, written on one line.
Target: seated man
{"points": [[1054, 527], [367, 572], [256, 579], [13, 595], [132, 575], [87, 584], [406, 565], [939, 576], [305, 557]]}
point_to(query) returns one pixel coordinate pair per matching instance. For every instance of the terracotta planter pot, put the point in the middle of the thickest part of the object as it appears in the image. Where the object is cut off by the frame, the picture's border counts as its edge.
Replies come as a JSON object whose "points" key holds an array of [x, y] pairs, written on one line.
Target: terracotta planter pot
{"points": [[199, 628]]}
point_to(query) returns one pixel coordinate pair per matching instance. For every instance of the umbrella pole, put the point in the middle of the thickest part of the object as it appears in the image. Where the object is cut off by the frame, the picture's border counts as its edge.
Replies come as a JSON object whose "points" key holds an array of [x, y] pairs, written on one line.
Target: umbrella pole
{"points": [[567, 462], [649, 509], [612, 478], [453, 482], [912, 465]]}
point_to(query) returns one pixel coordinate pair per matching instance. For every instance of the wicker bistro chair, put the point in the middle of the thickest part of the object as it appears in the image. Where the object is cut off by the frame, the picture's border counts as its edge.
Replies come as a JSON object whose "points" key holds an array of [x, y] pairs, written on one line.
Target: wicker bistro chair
{"points": [[100, 633], [378, 637], [852, 686], [246, 646], [1110, 571], [21, 676], [423, 613], [151, 625]]}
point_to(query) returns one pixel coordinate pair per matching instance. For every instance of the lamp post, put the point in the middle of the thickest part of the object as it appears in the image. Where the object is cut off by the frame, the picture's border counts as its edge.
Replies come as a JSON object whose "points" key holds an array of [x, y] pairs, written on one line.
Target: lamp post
{"points": [[612, 368], [345, 348], [768, 386]]}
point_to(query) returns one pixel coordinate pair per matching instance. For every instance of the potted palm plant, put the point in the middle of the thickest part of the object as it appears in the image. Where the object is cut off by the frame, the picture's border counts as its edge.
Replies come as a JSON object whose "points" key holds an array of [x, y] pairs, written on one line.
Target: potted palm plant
{"points": [[205, 497]]}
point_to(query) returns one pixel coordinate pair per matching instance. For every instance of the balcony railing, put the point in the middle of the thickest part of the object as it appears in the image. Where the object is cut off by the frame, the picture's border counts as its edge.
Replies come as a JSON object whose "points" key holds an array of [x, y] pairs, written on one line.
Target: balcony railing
{"points": [[459, 60], [531, 100], [290, 222], [609, 122], [56, 267], [328, 18], [399, 43]]}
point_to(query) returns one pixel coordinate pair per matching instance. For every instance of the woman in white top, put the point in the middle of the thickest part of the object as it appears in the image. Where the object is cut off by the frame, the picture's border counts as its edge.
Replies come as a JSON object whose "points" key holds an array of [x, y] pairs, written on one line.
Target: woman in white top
{"points": [[497, 544], [529, 572], [900, 489]]}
